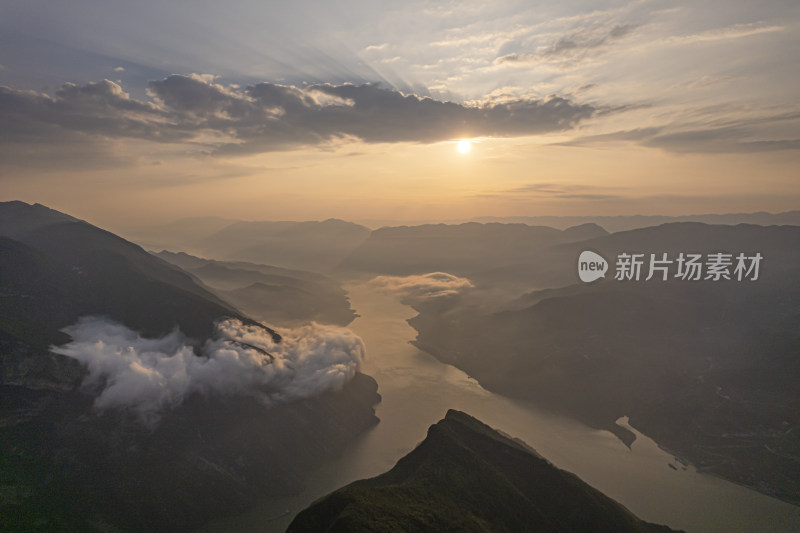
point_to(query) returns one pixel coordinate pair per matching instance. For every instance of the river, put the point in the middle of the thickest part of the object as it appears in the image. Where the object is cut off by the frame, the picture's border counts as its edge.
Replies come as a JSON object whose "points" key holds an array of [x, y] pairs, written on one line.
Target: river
{"points": [[418, 390]]}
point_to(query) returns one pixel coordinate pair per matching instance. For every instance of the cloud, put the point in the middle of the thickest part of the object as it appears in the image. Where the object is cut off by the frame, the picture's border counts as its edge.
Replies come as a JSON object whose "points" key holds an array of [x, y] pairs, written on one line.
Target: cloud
{"points": [[413, 289], [266, 116], [552, 190], [573, 47], [100, 110], [581, 42], [737, 31], [148, 376], [717, 141], [736, 137], [376, 47]]}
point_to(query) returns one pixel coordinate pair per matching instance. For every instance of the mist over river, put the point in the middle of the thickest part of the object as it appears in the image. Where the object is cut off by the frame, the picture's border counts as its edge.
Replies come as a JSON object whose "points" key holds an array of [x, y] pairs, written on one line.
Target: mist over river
{"points": [[417, 390]]}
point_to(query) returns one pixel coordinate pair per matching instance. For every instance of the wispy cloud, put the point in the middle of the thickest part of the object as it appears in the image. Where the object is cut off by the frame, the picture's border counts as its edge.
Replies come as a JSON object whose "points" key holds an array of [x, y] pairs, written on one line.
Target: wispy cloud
{"points": [[376, 47], [706, 132], [572, 47], [564, 191], [730, 140], [737, 31]]}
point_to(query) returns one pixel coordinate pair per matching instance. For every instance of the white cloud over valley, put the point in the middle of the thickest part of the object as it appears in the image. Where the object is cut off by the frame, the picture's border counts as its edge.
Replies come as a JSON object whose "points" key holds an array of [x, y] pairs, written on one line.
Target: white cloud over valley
{"points": [[148, 376]]}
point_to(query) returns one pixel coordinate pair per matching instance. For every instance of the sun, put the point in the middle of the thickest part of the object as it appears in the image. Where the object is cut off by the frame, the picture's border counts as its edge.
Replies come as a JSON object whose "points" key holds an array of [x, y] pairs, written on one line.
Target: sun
{"points": [[464, 146]]}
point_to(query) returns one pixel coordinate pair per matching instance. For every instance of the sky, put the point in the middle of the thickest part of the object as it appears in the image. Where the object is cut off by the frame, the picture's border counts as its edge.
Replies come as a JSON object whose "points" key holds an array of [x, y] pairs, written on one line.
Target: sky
{"points": [[135, 113]]}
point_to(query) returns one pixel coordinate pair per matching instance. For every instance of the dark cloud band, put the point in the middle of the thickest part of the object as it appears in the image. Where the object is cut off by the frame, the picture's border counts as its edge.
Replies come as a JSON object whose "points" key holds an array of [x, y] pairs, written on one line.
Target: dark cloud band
{"points": [[266, 116]]}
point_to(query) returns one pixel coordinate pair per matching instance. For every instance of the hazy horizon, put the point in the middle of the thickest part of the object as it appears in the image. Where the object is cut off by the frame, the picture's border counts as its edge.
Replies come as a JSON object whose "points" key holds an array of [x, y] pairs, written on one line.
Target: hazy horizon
{"points": [[564, 220]]}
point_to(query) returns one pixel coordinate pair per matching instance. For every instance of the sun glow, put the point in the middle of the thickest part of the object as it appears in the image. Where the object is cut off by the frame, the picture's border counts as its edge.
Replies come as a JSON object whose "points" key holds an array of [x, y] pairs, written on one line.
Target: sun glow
{"points": [[464, 146]]}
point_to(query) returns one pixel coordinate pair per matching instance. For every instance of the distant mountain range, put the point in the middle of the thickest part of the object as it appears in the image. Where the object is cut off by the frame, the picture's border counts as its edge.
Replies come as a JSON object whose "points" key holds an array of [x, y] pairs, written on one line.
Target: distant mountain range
{"points": [[521, 257], [274, 295], [466, 476], [612, 223], [707, 369], [336, 245], [314, 246], [511, 253], [623, 223], [67, 466]]}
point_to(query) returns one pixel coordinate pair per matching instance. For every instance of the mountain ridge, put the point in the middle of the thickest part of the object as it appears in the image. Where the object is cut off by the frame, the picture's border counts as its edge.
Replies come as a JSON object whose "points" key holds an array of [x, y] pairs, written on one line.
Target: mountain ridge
{"points": [[466, 476], [69, 464]]}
